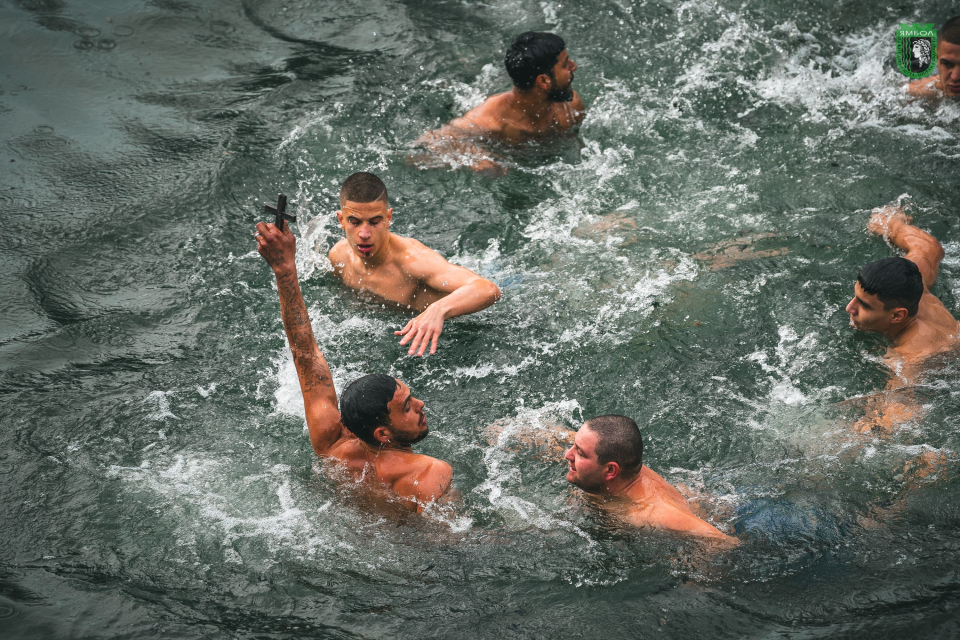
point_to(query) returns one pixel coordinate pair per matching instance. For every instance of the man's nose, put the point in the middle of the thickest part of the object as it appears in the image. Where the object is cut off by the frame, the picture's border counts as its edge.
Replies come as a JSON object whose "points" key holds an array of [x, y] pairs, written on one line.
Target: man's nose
{"points": [[365, 231], [573, 65], [569, 454], [851, 306]]}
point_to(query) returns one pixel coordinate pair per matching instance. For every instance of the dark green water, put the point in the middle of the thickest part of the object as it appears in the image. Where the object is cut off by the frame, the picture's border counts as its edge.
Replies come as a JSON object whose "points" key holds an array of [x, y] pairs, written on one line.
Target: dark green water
{"points": [[155, 471]]}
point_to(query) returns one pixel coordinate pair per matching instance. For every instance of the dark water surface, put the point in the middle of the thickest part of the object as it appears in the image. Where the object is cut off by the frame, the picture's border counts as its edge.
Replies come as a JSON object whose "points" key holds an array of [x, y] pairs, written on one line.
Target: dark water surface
{"points": [[155, 474]]}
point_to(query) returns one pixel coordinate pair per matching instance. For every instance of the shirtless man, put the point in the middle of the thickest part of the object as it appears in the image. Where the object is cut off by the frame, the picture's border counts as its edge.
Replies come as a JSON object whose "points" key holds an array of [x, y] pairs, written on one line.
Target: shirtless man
{"points": [[401, 270], [606, 460], [542, 103], [892, 295], [379, 419], [947, 81]]}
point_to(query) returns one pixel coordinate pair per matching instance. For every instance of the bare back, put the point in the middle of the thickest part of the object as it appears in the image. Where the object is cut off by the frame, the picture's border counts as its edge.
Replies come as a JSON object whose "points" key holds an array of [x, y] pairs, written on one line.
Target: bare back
{"points": [[655, 503]]}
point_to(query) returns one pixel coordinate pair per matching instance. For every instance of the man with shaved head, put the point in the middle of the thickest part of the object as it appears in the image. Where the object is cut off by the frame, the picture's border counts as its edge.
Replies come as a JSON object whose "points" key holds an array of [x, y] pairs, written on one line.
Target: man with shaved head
{"points": [[947, 81], [606, 460], [401, 270]]}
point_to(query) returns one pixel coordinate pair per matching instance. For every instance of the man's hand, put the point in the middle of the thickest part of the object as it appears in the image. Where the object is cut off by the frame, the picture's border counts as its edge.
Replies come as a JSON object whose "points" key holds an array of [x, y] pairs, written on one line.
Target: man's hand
{"points": [[278, 248], [887, 220], [423, 330]]}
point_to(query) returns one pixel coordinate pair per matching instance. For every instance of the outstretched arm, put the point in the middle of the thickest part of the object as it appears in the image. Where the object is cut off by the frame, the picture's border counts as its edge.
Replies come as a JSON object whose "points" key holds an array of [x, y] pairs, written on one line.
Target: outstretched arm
{"points": [[467, 293], [279, 248], [921, 248]]}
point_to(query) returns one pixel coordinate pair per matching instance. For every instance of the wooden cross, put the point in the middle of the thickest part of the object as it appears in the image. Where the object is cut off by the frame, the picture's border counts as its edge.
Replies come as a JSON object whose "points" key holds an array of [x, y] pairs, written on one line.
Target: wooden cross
{"points": [[280, 211]]}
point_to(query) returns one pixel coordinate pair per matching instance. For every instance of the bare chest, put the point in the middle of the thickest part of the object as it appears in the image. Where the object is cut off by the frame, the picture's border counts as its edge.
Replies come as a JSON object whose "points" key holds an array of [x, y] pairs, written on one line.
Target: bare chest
{"points": [[388, 283]]}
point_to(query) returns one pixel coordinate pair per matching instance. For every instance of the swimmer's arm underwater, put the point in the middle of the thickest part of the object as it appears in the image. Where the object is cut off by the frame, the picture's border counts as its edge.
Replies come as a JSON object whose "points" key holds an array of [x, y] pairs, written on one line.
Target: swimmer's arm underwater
{"points": [[450, 139], [279, 249], [467, 293]]}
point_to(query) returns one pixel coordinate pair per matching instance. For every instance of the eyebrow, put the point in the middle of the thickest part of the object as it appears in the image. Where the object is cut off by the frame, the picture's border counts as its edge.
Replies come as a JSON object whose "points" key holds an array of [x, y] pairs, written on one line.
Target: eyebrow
{"points": [[862, 303], [406, 403]]}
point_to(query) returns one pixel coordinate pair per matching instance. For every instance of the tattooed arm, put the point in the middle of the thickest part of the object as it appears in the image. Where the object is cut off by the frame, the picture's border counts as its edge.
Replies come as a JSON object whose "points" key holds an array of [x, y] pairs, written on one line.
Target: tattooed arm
{"points": [[319, 397]]}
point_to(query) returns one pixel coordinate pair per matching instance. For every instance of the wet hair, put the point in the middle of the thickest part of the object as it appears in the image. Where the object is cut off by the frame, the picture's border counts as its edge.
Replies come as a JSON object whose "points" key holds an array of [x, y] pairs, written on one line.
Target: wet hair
{"points": [[895, 281], [363, 405], [531, 54], [618, 440], [363, 187], [950, 32]]}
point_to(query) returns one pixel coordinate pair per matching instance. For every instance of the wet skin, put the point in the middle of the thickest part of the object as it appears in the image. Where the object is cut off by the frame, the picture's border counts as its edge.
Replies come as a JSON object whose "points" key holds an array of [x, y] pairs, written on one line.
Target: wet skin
{"points": [[642, 500], [405, 272], [947, 81], [416, 478], [932, 329], [514, 117]]}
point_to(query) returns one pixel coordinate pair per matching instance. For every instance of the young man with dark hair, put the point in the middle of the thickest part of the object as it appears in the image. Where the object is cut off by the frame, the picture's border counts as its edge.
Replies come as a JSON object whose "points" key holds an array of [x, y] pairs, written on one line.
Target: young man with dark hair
{"points": [[379, 419], [401, 270], [947, 80], [606, 460], [892, 296], [541, 104]]}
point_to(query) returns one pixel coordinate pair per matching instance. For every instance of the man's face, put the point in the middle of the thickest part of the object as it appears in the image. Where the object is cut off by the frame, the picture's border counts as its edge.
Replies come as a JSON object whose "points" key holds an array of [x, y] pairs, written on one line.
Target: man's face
{"points": [[408, 422], [585, 469], [367, 225], [561, 77], [867, 312], [948, 65]]}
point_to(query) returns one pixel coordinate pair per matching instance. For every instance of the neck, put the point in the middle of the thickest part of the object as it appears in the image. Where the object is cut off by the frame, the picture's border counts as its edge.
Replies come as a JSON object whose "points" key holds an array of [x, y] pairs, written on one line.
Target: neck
{"points": [[894, 334], [617, 489], [532, 104], [385, 446]]}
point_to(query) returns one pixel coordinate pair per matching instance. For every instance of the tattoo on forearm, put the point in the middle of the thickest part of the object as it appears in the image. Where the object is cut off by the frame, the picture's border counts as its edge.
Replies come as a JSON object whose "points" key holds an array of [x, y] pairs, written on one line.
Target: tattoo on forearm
{"points": [[311, 366]]}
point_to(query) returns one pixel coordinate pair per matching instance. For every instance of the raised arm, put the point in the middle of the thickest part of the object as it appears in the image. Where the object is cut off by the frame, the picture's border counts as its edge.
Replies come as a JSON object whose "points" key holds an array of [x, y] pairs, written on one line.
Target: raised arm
{"points": [[319, 397], [921, 248], [467, 293]]}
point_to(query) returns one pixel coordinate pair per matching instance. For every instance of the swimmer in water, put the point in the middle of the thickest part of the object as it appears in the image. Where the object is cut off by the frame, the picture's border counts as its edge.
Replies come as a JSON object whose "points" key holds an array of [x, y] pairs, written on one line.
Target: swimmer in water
{"points": [[947, 81], [401, 270], [892, 296], [541, 104], [606, 461], [378, 419]]}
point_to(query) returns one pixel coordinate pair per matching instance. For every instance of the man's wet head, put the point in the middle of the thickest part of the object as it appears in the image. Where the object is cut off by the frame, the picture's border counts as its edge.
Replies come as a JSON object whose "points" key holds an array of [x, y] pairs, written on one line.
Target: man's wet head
{"points": [[381, 411], [607, 455], [948, 57], [886, 296], [539, 61], [365, 214]]}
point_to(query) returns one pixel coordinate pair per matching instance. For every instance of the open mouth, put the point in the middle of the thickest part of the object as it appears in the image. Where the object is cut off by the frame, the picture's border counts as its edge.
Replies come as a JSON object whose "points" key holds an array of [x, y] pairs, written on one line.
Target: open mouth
{"points": [[365, 249]]}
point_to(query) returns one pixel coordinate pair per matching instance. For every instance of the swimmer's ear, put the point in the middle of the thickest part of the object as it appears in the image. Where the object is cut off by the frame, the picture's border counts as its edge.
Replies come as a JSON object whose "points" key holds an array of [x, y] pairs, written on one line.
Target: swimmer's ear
{"points": [[389, 215], [381, 435], [610, 471], [340, 216], [544, 81], [899, 315]]}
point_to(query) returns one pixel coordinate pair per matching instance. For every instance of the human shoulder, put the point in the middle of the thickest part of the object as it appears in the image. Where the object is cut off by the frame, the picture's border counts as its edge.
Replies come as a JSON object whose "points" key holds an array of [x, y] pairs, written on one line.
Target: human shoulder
{"points": [[417, 259], [339, 256], [487, 116], [423, 478]]}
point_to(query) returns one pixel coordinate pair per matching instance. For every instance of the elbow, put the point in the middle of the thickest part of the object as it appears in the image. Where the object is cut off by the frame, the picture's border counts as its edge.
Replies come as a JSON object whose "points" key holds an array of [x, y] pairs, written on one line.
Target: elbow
{"points": [[495, 294]]}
